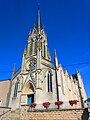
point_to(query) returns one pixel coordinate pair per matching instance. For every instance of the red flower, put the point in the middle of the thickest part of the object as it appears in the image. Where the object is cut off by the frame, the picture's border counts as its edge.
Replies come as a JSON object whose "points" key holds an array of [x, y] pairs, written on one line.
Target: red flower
{"points": [[33, 105], [59, 103], [75, 101], [46, 104], [72, 102]]}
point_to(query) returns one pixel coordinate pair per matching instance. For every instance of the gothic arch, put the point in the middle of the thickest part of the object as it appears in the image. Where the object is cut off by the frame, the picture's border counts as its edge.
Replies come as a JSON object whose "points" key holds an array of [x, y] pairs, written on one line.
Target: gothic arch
{"points": [[16, 87], [48, 79], [47, 71], [28, 87]]}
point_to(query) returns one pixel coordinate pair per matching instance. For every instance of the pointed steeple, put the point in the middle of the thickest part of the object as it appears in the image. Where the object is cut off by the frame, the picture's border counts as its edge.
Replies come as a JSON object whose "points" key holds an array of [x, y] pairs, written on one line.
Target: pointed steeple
{"points": [[38, 23], [55, 59], [25, 51], [13, 71]]}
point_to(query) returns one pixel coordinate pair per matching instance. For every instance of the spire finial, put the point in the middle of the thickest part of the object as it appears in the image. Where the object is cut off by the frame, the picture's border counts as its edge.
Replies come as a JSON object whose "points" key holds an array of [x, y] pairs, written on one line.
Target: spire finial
{"points": [[38, 4], [13, 71], [55, 53], [38, 16], [25, 50], [38, 24]]}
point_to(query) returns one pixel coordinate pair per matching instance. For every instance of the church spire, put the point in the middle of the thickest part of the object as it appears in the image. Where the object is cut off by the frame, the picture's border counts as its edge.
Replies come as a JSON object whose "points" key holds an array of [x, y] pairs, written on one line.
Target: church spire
{"points": [[39, 19], [38, 23]]}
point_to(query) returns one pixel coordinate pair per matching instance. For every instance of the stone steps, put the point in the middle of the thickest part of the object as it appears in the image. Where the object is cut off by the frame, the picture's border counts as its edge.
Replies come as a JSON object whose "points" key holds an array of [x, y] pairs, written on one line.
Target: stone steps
{"points": [[11, 116]]}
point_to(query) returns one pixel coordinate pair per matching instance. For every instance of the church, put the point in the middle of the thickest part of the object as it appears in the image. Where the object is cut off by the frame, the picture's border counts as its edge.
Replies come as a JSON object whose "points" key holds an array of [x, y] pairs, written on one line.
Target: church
{"points": [[39, 79]]}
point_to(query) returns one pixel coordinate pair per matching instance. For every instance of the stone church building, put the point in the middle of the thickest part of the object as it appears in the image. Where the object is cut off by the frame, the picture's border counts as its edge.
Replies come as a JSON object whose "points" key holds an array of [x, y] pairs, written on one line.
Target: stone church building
{"points": [[39, 79]]}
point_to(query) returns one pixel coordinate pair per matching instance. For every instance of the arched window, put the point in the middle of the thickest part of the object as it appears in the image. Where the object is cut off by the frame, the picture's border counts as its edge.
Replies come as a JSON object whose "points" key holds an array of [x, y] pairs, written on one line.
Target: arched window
{"points": [[16, 88], [49, 81], [35, 47], [31, 48]]}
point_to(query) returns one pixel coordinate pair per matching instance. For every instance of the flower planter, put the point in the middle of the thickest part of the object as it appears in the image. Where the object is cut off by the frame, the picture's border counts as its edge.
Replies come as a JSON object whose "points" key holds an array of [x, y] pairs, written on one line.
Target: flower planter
{"points": [[73, 102], [46, 105], [32, 105], [59, 103]]}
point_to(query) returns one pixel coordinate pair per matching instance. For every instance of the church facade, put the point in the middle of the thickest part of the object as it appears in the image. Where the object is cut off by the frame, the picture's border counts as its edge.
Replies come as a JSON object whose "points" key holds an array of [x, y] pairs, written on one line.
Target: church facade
{"points": [[40, 80]]}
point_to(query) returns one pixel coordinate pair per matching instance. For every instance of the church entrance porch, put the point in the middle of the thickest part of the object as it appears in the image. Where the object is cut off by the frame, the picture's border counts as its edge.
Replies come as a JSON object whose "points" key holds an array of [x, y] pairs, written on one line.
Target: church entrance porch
{"points": [[30, 99], [28, 94]]}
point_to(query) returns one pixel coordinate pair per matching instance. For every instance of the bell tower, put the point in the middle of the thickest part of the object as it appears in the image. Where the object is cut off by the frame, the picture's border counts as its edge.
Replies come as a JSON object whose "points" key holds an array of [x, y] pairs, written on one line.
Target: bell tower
{"points": [[35, 55], [37, 43], [37, 38]]}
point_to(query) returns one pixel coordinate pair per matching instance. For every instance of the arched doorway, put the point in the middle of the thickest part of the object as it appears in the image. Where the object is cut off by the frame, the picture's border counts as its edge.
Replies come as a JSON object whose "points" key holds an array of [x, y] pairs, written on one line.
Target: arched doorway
{"points": [[30, 99], [28, 93]]}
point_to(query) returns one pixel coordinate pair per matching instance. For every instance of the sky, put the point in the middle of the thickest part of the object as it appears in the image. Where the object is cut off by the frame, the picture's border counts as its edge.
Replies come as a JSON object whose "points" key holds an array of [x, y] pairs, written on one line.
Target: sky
{"points": [[66, 23]]}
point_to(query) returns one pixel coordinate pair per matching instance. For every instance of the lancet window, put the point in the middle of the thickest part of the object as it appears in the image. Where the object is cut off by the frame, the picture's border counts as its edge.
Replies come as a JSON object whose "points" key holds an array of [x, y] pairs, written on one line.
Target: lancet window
{"points": [[16, 88], [49, 77], [31, 48], [35, 50]]}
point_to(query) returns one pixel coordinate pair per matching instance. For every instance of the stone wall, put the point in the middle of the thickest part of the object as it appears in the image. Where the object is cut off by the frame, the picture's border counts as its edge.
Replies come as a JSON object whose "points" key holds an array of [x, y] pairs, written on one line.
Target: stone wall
{"points": [[4, 91], [64, 114]]}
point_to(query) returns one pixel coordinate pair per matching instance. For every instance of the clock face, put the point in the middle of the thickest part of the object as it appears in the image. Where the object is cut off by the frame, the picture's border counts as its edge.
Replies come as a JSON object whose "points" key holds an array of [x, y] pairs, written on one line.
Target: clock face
{"points": [[31, 65]]}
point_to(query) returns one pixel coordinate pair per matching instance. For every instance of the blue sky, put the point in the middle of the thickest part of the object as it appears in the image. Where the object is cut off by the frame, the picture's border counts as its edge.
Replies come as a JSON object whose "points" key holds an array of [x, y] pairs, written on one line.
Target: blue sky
{"points": [[66, 22]]}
